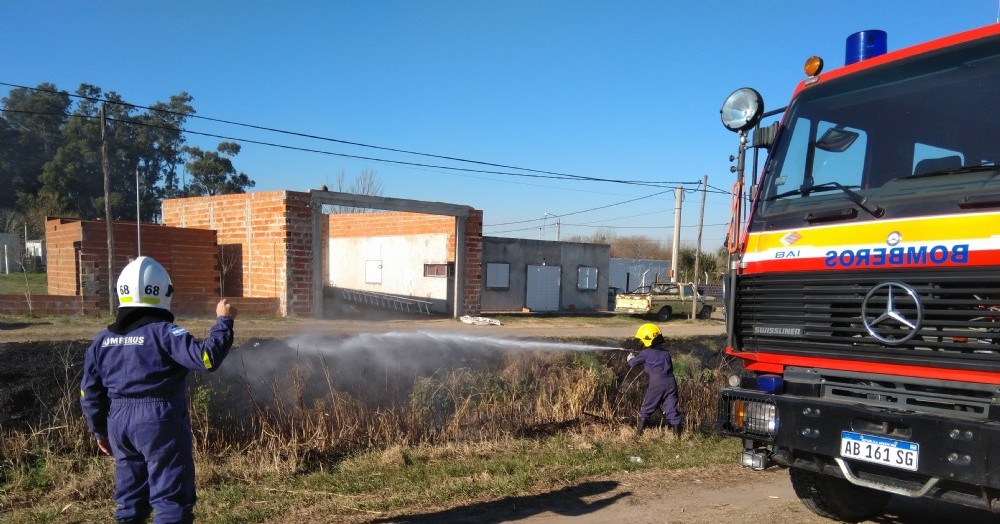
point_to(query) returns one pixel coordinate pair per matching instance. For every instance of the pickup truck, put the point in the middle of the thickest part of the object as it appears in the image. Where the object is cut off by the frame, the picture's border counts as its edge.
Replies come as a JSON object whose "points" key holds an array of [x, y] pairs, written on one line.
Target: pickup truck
{"points": [[663, 299]]}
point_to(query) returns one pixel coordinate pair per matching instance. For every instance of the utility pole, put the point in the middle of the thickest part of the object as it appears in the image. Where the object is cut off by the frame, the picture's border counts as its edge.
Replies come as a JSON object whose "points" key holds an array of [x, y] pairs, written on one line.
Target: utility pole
{"points": [[697, 252], [106, 167], [674, 256], [138, 231], [558, 225]]}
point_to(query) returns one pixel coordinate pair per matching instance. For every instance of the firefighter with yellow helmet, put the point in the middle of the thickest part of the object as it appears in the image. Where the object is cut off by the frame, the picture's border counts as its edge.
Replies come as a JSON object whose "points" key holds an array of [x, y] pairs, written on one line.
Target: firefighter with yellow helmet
{"points": [[662, 389], [133, 394]]}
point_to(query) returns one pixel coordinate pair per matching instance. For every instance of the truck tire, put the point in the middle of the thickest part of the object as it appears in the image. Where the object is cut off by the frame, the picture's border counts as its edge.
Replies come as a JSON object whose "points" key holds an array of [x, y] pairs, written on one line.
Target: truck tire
{"points": [[706, 312], [836, 498], [664, 313]]}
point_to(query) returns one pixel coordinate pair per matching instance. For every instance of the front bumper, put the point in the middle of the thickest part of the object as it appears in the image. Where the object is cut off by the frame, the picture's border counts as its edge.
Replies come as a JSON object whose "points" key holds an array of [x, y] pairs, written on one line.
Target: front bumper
{"points": [[959, 458]]}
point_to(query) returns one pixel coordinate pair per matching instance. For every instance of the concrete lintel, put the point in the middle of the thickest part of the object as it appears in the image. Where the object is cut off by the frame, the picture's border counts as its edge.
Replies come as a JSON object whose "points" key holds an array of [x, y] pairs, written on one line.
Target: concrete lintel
{"points": [[334, 198]]}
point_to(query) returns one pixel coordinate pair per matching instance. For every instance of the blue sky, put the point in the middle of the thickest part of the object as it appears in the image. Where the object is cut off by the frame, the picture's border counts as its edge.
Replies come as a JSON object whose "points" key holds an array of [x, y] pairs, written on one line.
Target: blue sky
{"points": [[627, 90]]}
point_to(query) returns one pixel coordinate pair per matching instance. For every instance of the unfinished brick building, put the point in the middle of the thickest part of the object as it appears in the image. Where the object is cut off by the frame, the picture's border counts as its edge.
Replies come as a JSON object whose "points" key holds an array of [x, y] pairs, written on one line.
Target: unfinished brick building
{"points": [[269, 254], [274, 244], [78, 261]]}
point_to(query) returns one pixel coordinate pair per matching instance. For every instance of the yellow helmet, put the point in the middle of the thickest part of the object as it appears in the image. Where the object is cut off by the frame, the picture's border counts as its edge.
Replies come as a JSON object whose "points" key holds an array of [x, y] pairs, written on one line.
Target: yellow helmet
{"points": [[647, 333]]}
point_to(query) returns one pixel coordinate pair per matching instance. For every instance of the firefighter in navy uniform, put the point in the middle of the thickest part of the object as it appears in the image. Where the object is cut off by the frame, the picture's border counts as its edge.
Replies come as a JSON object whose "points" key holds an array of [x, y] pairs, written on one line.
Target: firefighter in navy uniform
{"points": [[662, 389], [133, 395]]}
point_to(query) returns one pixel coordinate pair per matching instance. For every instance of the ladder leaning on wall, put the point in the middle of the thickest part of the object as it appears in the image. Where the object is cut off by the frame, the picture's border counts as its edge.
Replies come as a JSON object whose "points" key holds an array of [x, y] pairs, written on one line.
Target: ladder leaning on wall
{"points": [[383, 301]]}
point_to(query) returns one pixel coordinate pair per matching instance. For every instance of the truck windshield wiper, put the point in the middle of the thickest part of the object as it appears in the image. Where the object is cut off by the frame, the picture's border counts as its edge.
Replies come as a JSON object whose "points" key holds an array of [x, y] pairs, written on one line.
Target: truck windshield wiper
{"points": [[858, 200], [952, 171]]}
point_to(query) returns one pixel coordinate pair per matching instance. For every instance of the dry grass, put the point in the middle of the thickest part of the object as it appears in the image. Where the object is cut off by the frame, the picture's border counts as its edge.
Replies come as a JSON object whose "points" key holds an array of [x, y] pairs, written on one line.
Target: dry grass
{"points": [[487, 425]]}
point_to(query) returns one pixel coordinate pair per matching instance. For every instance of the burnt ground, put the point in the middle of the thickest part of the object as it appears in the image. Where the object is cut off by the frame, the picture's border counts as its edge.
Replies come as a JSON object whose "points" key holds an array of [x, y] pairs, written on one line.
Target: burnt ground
{"points": [[34, 377]]}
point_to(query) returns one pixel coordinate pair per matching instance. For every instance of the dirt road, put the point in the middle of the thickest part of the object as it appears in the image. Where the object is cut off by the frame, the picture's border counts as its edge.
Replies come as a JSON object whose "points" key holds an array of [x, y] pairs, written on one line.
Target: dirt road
{"points": [[720, 494]]}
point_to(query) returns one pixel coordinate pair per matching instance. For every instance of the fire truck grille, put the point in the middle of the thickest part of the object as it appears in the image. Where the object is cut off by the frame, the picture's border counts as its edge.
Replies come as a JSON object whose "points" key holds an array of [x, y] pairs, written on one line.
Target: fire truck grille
{"points": [[916, 316]]}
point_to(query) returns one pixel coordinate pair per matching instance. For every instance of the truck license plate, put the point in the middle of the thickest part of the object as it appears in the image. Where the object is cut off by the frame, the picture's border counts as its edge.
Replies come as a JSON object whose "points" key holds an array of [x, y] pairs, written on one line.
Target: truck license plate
{"points": [[879, 450]]}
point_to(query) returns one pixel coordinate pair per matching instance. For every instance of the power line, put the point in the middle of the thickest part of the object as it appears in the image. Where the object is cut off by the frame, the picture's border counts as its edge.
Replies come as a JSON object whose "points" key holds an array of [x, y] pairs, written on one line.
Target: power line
{"points": [[359, 157], [583, 211], [551, 174], [601, 226]]}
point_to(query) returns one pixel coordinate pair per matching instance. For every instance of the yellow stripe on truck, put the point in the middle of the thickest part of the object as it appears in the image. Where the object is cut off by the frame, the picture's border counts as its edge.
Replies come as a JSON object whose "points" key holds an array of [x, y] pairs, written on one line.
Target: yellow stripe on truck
{"points": [[913, 230]]}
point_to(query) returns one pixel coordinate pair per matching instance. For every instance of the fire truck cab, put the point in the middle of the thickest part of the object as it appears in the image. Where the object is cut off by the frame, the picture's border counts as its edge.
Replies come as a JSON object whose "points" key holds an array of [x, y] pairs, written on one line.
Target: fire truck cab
{"points": [[863, 297]]}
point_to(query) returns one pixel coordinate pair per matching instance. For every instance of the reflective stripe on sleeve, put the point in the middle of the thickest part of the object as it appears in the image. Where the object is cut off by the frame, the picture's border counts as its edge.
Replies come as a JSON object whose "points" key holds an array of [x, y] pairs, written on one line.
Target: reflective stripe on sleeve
{"points": [[205, 358]]}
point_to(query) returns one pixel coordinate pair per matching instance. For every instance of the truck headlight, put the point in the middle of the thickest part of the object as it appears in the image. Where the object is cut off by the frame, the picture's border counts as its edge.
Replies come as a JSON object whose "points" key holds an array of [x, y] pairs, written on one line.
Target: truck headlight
{"points": [[746, 416]]}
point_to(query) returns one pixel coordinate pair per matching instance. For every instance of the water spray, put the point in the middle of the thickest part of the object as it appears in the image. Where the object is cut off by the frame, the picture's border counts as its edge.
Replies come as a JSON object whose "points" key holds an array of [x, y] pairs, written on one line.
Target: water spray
{"points": [[441, 338]]}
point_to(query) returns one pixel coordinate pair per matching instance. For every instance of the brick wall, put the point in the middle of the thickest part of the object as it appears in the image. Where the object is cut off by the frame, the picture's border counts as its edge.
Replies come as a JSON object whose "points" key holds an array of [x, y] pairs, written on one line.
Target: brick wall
{"points": [[245, 306], [299, 254], [80, 264], [473, 278], [63, 238], [261, 236], [393, 223], [48, 305]]}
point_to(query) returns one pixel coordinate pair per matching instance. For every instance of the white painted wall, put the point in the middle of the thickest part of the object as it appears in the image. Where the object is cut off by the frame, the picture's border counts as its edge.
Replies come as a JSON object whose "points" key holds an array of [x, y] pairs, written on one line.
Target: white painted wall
{"points": [[402, 259]]}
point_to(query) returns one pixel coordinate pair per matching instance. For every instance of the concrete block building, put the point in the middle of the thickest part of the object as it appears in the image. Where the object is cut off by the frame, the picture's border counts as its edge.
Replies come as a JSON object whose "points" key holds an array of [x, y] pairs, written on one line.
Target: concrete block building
{"points": [[541, 275]]}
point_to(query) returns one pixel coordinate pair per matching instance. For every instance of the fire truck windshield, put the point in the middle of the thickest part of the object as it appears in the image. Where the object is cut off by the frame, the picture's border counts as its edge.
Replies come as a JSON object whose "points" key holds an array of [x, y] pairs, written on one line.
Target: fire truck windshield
{"points": [[912, 137]]}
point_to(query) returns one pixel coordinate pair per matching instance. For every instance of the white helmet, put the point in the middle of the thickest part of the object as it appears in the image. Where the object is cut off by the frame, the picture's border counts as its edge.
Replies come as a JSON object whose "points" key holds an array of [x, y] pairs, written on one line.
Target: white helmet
{"points": [[144, 283]]}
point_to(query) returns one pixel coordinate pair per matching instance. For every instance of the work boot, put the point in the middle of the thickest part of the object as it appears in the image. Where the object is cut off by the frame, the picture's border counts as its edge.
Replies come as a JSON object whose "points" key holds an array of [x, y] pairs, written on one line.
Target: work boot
{"points": [[639, 427], [677, 430]]}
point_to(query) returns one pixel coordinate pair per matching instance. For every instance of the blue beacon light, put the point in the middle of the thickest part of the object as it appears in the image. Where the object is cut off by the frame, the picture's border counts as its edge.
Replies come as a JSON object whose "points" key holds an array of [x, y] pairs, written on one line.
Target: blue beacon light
{"points": [[864, 45]]}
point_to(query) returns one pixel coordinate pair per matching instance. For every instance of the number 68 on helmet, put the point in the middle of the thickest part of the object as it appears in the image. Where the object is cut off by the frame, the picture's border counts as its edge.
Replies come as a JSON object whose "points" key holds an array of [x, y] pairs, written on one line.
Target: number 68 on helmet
{"points": [[144, 283]]}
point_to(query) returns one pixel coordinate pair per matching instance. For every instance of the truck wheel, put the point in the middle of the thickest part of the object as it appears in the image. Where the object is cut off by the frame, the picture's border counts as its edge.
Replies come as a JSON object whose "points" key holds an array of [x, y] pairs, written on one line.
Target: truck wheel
{"points": [[836, 498], [706, 312], [664, 313]]}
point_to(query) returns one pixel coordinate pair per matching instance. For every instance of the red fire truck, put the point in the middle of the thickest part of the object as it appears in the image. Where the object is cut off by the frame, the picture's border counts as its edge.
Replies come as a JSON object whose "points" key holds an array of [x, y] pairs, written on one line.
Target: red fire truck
{"points": [[863, 297]]}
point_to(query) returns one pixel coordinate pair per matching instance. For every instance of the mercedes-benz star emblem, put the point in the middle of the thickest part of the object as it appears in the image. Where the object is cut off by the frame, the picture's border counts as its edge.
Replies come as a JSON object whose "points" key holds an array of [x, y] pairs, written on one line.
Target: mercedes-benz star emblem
{"points": [[892, 313], [894, 239]]}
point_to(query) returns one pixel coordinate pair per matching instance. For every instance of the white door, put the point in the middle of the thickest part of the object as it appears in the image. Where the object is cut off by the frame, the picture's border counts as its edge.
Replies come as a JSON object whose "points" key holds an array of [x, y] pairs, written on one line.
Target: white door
{"points": [[543, 288]]}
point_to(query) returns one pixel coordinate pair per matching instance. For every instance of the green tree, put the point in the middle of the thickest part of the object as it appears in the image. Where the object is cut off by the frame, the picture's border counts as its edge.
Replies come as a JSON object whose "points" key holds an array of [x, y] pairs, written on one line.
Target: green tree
{"points": [[30, 133], [163, 142], [72, 181], [142, 147], [707, 263], [212, 172], [149, 147]]}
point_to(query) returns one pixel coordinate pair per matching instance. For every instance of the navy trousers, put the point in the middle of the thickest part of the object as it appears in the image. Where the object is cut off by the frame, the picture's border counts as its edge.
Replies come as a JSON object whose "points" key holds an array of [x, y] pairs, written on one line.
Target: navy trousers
{"points": [[154, 461], [661, 393]]}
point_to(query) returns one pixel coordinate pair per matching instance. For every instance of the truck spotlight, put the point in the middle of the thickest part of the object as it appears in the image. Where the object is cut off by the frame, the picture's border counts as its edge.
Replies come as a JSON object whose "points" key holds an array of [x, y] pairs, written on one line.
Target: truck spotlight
{"points": [[742, 109]]}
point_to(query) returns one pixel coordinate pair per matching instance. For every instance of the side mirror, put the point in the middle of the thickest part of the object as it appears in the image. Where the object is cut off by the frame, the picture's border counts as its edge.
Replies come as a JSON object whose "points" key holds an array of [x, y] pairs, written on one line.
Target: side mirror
{"points": [[763, 137]]}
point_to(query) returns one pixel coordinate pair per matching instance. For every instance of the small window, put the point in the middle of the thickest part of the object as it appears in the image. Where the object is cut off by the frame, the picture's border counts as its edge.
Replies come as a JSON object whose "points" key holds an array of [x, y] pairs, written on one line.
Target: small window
{"points": [[373, 271], [586, 278], [497, 275], [437, 270]]}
